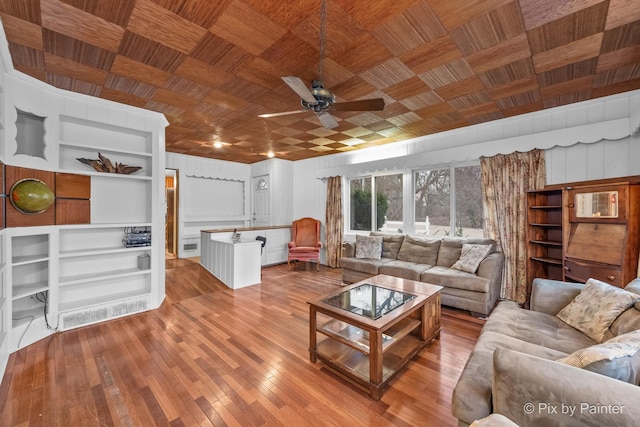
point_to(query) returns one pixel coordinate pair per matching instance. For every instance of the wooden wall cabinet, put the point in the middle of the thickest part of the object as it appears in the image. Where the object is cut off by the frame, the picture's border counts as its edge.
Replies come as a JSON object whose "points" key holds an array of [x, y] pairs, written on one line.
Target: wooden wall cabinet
{"points": [[603, 244], [585, 230]]}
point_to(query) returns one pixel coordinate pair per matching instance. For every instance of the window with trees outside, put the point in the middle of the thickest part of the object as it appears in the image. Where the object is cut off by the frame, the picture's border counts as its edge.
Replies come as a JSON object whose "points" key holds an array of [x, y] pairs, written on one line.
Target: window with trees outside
{"points": [[447, 201], [441, 195], [384, 212]]}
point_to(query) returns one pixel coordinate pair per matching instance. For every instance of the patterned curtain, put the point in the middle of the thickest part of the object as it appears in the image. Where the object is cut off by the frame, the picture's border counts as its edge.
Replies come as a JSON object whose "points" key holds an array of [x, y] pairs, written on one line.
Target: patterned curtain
{"points": [[505, 181], [334, 221]]}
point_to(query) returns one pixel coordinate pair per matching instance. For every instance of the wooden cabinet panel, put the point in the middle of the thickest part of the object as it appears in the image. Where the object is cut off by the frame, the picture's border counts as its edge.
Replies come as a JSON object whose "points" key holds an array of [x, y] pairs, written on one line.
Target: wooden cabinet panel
{"points": [[73, 186], [73, 211], [603, 243], [603, 240], [582, 271]]}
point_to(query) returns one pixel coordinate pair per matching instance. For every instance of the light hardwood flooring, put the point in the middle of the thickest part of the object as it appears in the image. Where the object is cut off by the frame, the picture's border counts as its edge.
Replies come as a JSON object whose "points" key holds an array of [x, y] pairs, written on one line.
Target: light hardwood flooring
{"points": [[213, 356]]}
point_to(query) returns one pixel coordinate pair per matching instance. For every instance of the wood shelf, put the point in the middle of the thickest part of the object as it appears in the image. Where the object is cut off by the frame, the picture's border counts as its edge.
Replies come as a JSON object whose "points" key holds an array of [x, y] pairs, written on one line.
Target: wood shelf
{"points": [[103, 149], [546, 242], [358, 339], [107, 175], [337, 353], [101, 251], [28, 289], [93, 277], [28, 259], [555, 261]]}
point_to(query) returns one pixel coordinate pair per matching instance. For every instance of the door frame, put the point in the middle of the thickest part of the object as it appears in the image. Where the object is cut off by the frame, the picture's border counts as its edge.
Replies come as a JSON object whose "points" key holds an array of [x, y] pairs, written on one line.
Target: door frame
{"points": [[176, 210]]}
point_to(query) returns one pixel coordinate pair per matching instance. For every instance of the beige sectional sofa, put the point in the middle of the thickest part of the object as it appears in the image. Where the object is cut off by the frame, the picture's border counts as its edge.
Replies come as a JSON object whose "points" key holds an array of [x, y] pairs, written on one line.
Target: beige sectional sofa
{"points": [[516, 367], [430, 259]]}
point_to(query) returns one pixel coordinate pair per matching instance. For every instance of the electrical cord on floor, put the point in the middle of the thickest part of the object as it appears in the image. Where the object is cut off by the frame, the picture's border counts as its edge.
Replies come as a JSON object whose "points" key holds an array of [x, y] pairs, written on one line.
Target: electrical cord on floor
{"points": [[32, 318], [45, 300]]}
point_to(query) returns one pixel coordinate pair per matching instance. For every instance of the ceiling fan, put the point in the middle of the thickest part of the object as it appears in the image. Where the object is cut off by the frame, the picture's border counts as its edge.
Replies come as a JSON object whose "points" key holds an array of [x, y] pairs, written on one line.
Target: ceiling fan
{"points": [[321, 100]]}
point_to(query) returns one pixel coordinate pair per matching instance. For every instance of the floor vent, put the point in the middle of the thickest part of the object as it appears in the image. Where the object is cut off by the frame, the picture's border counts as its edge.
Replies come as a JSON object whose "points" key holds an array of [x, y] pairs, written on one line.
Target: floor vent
{"points": [[190, 246], [87, 316]]}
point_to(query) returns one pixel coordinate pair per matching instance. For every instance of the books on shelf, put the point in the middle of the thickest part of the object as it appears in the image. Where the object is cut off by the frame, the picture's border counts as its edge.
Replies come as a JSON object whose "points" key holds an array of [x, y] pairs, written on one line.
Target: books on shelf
{"points": [[137, 236]]}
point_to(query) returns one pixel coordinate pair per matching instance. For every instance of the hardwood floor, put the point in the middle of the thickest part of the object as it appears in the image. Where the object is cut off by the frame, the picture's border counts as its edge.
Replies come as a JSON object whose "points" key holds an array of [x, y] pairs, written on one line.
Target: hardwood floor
{"points": [[213, 356]]}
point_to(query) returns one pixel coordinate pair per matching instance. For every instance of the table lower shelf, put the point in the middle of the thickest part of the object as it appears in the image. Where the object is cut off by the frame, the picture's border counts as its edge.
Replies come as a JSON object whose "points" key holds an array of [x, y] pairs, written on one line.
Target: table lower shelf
{"points": [[355, 364]]}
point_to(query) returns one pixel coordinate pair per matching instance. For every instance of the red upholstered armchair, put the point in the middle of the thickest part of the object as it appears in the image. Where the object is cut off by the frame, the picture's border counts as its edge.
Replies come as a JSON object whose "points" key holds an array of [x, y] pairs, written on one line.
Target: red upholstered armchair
{"points": [[305, 241]]}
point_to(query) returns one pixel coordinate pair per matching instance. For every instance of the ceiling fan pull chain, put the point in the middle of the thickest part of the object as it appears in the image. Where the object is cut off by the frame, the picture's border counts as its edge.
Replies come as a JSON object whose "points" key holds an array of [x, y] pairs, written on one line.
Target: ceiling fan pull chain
{"points": [[322, 23]]}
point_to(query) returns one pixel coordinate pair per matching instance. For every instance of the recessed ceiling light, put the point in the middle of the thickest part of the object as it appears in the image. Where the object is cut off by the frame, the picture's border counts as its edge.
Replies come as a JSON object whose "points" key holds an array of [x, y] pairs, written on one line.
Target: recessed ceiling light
{"points": [[270, 154], [217, 144]]}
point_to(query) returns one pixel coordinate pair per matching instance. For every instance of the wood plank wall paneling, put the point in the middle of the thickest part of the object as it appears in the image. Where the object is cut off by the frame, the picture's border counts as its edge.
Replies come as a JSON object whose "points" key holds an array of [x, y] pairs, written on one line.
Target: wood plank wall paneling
{"points": [[212, 356]]}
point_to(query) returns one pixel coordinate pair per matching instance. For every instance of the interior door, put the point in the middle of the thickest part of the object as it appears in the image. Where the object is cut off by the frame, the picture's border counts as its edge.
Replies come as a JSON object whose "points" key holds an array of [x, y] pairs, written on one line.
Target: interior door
{"points": [[261, 201]]}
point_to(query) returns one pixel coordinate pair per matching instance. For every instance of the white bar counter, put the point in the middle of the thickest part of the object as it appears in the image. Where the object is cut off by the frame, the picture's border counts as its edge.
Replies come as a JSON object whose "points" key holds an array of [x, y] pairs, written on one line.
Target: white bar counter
{"points": [[276, 249], [236, 264]]}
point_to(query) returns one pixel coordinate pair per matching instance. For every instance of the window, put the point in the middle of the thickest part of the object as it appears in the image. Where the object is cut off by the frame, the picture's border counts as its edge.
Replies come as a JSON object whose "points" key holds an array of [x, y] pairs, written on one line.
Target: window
{"points": [[443, 194], [432, 202], [360, 217], [446, 201], [468, 200], [385, 211]]}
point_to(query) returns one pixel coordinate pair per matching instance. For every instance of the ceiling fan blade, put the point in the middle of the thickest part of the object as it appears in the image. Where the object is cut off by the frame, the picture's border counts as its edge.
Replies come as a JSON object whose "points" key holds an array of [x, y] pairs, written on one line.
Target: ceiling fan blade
{"points": [[300, 88], [284, 113], [375, 104], [327, 120]]}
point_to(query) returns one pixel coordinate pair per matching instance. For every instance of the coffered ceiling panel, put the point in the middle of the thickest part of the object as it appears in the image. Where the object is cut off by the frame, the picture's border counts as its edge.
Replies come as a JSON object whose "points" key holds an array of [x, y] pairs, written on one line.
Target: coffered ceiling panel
{"points": [[213, 66]]}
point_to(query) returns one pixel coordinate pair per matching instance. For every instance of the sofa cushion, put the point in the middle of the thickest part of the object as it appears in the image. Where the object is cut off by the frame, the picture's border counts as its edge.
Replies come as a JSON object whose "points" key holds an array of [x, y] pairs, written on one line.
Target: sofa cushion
{"points": [[472, 394], [364, 265], [390, 243], [421, 251], [596, 307], [617, 358], [628, 321], [368, 247], [451, 278], [470, 257], [448, 253], [494, 420], [404, 269], [535, 327]]}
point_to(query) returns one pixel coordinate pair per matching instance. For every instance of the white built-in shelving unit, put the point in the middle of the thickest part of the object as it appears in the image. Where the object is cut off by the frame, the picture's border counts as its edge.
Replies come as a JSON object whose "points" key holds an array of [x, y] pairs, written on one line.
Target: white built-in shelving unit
{"points": [[58, 277], [5, 296], [30, 275]]}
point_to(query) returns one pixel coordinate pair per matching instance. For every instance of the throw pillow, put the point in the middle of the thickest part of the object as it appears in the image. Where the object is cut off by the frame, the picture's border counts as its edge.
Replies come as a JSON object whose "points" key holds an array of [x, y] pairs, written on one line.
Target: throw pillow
{"points": [[470, 257], [368, 247], [596, 307], [390, 243], [617, 358]]}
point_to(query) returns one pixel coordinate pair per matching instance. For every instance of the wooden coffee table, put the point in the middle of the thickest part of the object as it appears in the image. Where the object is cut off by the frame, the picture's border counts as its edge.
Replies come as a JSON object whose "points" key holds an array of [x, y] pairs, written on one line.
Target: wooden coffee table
{"points": [[366, 346]]}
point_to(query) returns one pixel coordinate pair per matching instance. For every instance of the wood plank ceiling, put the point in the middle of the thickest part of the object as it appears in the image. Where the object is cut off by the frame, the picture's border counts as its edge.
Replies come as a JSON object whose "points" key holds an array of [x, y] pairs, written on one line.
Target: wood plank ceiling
{"points": [[211, 66]]}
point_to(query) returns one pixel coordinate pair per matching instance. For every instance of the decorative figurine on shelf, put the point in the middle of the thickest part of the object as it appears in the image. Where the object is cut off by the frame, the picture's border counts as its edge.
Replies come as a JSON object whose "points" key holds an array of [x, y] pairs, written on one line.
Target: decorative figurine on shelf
{"points": [[102, 164]]}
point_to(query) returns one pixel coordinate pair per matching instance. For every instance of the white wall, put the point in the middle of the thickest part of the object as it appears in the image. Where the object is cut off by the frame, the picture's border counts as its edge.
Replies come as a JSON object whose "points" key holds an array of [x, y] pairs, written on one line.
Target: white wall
{"points": [[196, 173], [603, 159]]}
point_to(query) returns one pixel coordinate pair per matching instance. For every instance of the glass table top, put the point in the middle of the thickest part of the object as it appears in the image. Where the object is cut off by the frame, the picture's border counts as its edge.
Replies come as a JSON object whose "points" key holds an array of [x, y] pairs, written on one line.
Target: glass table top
{"points": [[369, 301]]}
